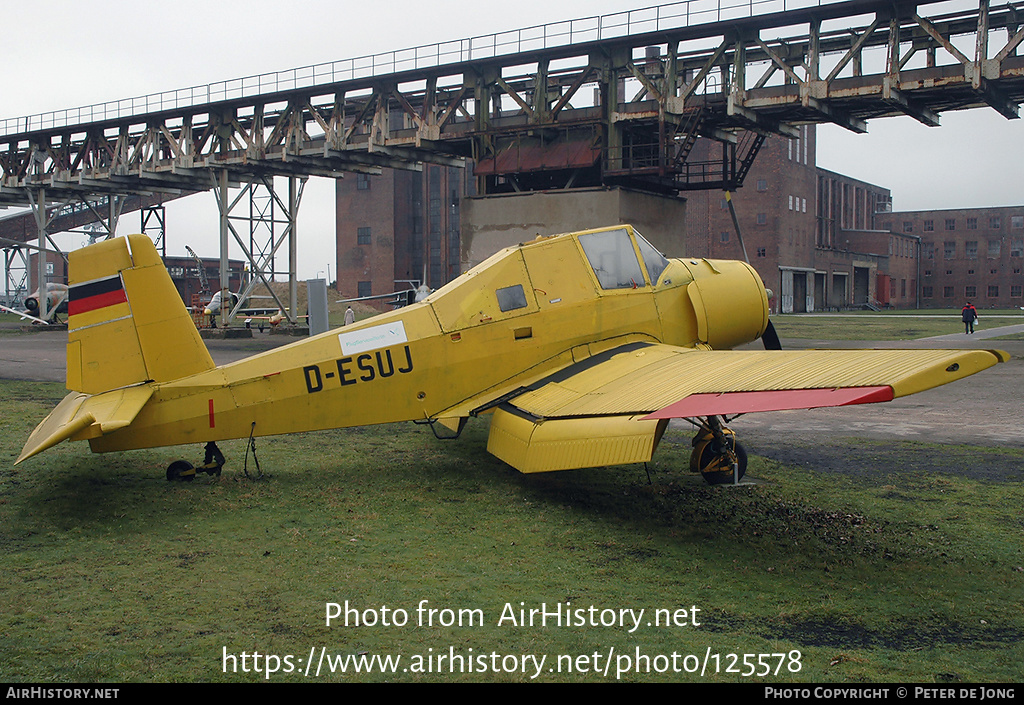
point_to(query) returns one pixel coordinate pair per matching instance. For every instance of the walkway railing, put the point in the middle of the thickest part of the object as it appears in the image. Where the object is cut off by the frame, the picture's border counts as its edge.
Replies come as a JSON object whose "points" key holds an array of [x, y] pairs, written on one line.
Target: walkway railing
{"points": [[687, 13]]}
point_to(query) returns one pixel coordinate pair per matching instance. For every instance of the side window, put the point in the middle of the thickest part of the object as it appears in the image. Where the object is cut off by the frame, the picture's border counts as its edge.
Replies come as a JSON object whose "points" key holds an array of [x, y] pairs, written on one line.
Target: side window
{"points": [[511, 297], [611, 255], [653, 260]]}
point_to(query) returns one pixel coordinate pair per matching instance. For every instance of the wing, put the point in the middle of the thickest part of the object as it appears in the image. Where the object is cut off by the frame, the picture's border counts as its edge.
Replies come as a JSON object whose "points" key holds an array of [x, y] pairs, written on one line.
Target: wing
{"points": [[615, 400], [23, 315]]}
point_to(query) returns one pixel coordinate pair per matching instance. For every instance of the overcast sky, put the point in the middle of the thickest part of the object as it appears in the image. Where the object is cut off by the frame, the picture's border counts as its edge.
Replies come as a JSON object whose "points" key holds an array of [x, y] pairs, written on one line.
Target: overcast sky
{"points": [[67, 53]]}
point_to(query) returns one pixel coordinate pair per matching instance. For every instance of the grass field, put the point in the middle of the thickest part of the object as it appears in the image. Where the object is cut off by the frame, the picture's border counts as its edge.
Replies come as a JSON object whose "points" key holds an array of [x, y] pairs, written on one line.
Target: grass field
{"points": [[113, 574]]}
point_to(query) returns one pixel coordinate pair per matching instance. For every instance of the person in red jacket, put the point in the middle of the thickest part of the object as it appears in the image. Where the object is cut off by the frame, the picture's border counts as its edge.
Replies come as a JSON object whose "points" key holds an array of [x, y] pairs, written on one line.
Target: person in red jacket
{"points": [[969, 315]]}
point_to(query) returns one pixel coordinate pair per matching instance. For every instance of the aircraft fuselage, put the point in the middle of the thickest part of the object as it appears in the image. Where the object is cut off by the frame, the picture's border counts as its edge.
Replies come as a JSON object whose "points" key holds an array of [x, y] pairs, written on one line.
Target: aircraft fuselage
{"points": [[515, 318]]}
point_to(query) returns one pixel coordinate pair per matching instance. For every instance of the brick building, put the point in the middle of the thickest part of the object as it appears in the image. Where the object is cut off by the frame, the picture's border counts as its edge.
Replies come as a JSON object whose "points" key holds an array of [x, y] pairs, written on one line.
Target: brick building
{"points": [[185, 275], [809, 232], [398, 227], [967, 254], [820, 240]]}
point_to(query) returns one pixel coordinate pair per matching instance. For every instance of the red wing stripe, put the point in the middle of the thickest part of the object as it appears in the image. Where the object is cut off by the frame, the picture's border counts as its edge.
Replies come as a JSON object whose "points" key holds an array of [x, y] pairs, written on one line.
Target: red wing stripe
{"points": [[781, 400]]}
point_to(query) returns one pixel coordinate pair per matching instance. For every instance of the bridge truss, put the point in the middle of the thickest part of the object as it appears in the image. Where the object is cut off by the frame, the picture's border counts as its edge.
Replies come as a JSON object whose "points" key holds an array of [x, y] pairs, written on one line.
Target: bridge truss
{"points": [[621, 99]]}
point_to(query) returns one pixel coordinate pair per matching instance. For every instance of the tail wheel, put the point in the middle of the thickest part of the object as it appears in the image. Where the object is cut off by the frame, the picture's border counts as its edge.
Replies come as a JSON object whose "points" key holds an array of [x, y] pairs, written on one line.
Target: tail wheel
{"points": [[181, 470]]}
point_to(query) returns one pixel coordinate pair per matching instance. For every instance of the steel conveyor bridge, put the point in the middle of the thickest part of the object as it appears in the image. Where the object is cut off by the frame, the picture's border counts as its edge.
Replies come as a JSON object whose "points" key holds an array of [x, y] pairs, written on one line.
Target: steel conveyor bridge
{"points": [[618, 99]]}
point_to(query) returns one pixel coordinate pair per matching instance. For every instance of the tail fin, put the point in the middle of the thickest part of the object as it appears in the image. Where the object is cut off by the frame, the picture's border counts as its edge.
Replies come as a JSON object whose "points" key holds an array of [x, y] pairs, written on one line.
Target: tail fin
{"points": [[126, 322]]}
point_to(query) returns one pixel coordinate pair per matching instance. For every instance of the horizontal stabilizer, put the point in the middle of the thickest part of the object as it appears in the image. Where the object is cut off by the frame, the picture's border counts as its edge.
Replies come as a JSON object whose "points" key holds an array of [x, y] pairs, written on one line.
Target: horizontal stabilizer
{"points": [[80, 416]]}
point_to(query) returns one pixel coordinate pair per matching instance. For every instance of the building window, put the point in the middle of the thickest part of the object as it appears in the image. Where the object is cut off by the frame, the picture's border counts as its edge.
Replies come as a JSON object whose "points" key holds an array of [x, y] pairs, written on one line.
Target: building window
{"points": [[725, 236], [1017, 221], [1016, 247], [927, 272], [903, 288], [803, 205], [950, 224], [363, 182], [929, 225], [365, 289], [971, 292], [993, 271], [926, 292], [762, 252], [929, 250], [947, 292], [949, 249], [908, 226], [971, 249], [762, 218], [948, 272], [363, 236], [994, 248], [995, 222], [972, 223], [723, 204], [790, 202], [1016, 291], [993, 291], [762, 184]]}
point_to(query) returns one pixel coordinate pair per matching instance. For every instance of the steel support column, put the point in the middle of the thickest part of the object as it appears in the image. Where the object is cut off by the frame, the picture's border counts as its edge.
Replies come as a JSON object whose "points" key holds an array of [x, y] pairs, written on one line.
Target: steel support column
{"points": [[154, 221], [259, 255]]}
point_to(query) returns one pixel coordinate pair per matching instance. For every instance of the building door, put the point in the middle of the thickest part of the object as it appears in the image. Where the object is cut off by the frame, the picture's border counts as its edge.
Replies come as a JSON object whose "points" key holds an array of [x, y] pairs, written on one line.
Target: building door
{"points": [[861, 279], [799, 292], [839, 290]]}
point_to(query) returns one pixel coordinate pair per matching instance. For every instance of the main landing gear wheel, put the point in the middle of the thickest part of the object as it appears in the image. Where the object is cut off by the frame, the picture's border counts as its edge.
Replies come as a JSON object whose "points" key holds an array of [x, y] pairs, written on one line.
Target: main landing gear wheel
{"points": [[716, 455]]}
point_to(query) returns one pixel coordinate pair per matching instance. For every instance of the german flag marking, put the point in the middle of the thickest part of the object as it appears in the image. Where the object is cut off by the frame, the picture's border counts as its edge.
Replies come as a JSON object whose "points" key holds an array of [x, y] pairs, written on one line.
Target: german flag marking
{"points": [[95, 295]]}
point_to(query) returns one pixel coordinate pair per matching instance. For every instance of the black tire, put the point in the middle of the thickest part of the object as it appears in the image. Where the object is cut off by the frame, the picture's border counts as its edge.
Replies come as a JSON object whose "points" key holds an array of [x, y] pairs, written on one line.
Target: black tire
{"points": [[177, 470], [722, 478]]}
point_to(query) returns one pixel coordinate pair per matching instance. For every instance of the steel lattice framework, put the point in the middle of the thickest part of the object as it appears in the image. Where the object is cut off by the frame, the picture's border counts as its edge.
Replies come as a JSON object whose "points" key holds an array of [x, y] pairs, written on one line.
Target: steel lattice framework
{"points": [[616, 99]]}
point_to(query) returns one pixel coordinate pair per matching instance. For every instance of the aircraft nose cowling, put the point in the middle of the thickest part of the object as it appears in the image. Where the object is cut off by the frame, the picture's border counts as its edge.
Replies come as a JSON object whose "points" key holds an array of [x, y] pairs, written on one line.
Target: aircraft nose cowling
{"points": [[729, 301], [31, 304]]}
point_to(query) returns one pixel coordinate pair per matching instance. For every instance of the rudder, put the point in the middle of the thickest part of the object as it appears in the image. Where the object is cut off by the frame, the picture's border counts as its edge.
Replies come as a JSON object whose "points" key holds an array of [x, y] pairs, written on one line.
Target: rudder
{"points": [[126, 322]]}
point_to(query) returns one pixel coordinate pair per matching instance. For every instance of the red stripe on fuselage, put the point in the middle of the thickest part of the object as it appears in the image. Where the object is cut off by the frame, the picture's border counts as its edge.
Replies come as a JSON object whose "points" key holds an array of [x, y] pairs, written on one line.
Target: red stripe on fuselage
{"points": [[98, 301]]}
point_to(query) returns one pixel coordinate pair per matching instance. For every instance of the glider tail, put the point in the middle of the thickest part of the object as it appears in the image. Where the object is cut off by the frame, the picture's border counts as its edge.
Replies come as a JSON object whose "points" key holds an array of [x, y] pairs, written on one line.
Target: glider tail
{"points": [[126, 322]]}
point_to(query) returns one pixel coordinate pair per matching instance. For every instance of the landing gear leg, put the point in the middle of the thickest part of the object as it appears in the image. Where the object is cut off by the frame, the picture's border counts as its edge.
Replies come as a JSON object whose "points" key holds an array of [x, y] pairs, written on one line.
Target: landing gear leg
{"points": [[716, 454], [183, 470]]}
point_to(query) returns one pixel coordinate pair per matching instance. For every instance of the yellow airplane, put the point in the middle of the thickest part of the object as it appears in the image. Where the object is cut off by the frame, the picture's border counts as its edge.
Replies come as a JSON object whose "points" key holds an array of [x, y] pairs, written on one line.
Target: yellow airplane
{"points": [[581, 346]]}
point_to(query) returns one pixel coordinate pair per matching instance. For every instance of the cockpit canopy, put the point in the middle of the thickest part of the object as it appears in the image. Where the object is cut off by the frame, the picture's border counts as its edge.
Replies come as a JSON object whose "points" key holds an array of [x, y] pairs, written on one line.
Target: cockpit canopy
{"points": [[614, 261]]}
